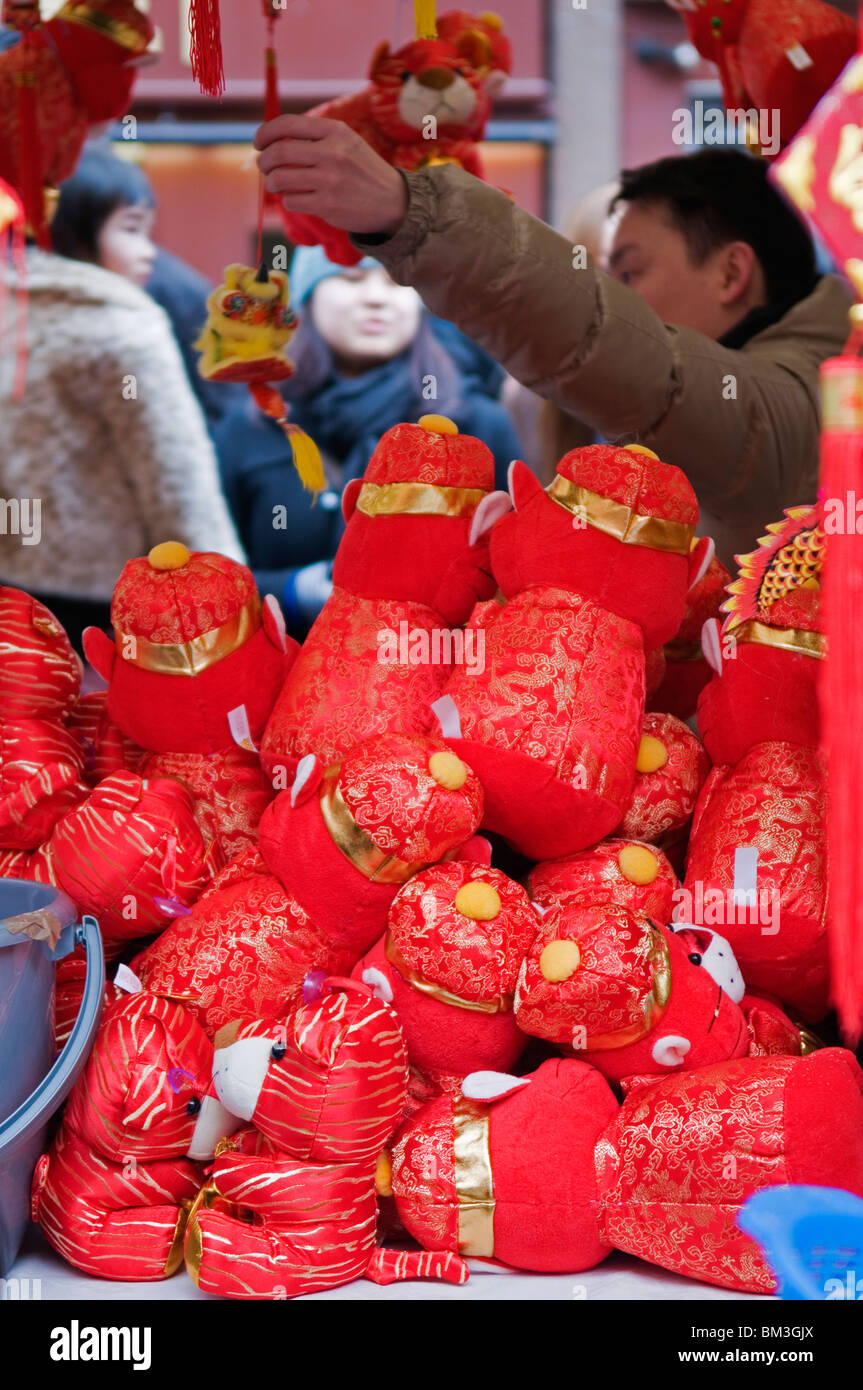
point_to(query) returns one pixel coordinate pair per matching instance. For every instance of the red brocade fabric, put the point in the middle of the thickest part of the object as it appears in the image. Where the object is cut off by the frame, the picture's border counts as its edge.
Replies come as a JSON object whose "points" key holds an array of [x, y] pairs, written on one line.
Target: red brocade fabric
{"points": [[474, 959], [41, 767], [411, 454], [337, 1093], [314, 1225], [229, 792], [131, 844], [105, 747], [423, 1176], [339, 693], [387, 784], [663, 1177], [646, 485], [663, 801], [596, 875], [40, 672], [521, 734], [773, 801], [383, 646], [685, 1153], [176, 605], [613, 1009], [242, 952]]}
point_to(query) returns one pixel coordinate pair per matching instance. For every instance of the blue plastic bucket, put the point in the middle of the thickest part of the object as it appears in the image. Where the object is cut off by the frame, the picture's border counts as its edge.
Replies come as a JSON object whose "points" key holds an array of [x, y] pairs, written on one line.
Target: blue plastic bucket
{"points": [[32, 1083]]}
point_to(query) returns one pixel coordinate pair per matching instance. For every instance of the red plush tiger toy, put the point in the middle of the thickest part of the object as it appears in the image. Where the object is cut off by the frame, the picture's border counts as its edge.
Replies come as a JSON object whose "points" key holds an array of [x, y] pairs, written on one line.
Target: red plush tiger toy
{"points": [[427, 103]]}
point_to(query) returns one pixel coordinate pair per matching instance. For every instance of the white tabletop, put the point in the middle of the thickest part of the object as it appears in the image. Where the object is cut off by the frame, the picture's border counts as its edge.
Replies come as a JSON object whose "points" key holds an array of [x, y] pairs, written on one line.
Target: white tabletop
{"points": [[619, 1277]]}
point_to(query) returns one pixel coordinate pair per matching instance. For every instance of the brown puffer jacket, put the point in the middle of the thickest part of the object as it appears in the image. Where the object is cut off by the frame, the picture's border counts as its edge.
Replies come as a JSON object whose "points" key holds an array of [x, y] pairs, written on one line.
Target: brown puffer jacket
{"points": [[742, 423]]}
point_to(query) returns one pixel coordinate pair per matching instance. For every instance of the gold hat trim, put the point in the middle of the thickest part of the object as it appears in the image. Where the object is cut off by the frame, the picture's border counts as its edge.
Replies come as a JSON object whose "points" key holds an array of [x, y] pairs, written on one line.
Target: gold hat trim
{"points": [[198, 653], [618, 520], [417, 499], [354, 842], [787, 639], [126, 35]]}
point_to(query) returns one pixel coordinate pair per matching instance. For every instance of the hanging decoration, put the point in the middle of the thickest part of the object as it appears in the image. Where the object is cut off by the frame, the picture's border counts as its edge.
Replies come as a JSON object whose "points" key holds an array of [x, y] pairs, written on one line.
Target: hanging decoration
{"points": [[250, 321], [13, 247], [821, 173]]}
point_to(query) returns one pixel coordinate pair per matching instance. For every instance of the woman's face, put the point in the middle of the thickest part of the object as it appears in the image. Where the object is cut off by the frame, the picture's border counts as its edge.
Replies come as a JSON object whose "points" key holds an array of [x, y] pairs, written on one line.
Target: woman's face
{"points": [[365, 317], [124, 242]]}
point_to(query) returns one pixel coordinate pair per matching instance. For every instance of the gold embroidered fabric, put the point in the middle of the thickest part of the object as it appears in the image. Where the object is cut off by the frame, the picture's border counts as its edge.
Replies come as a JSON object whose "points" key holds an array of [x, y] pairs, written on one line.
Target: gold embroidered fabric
{"points": [[620, 521], [198, 653], [473, 1179], [418, 499]]}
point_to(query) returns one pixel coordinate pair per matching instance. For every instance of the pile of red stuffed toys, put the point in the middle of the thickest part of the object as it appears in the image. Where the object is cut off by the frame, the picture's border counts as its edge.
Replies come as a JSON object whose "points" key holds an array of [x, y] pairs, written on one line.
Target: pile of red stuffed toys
{"points": [[343, 1043]]}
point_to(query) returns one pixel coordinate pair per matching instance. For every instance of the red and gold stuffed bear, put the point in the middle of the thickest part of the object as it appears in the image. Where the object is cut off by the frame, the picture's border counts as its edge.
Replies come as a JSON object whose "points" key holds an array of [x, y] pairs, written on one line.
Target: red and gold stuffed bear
{"points": [[670, 769], [113, 1192], [756, 857], [128, 850], [411, 565], [314, 895], [774, 56], [547, 1173], [324, 1090], [626, 872], [426, 103], [194, 669], [633, 997], [456, 937], [595, 570]]}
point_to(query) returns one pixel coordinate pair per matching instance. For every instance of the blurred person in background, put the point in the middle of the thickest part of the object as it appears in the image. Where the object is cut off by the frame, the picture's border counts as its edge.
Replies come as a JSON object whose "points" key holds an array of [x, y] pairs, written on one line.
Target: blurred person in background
{"points": [[368, 356], [107, 435]]}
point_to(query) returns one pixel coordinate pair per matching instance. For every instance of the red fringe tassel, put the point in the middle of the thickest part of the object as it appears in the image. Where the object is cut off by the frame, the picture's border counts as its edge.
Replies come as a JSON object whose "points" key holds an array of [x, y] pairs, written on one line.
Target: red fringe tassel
{"points": [[841, 690]]}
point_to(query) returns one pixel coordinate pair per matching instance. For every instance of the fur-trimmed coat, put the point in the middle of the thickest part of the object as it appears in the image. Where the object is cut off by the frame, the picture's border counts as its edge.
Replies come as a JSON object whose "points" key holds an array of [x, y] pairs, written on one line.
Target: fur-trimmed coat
{"points": [[107, 436]]}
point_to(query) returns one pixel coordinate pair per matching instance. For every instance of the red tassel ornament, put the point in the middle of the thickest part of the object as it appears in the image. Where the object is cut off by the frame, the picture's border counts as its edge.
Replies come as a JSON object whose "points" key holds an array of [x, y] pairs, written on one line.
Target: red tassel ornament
{"points": [[205, 47], [841, 691]]}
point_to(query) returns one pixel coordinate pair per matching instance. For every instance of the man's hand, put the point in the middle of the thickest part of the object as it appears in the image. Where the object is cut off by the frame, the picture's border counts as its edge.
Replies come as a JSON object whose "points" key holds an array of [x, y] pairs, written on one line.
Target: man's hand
{"points": [[325, 168]]}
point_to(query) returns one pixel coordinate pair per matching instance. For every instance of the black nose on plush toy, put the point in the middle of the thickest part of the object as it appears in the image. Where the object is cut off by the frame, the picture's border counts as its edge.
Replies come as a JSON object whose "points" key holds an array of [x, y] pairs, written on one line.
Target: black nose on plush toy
{"points": [[436, 78]]}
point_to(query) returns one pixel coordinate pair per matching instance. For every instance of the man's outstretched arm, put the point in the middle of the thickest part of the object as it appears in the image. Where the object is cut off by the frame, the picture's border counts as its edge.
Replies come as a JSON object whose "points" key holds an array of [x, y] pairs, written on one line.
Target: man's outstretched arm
{"points": [[743, 425]]}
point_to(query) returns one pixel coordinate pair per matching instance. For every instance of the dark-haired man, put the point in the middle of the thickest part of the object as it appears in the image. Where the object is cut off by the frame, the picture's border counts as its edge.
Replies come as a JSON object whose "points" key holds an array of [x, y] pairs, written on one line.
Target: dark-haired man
{"points": [[703, 341]]}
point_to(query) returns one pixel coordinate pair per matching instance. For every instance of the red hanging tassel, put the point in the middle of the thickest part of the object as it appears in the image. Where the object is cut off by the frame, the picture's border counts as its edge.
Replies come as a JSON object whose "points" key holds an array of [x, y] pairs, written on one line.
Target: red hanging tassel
{"points": [[205, 48], [13, 247], [841, 690]]}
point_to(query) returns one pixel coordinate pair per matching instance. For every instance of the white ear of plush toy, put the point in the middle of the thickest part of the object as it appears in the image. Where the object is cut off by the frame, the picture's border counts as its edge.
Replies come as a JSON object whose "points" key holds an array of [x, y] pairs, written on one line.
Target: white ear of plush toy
{"points": [[670, 1050], [490, 510], [307, 778], [491, 1085], [378, 984]]}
